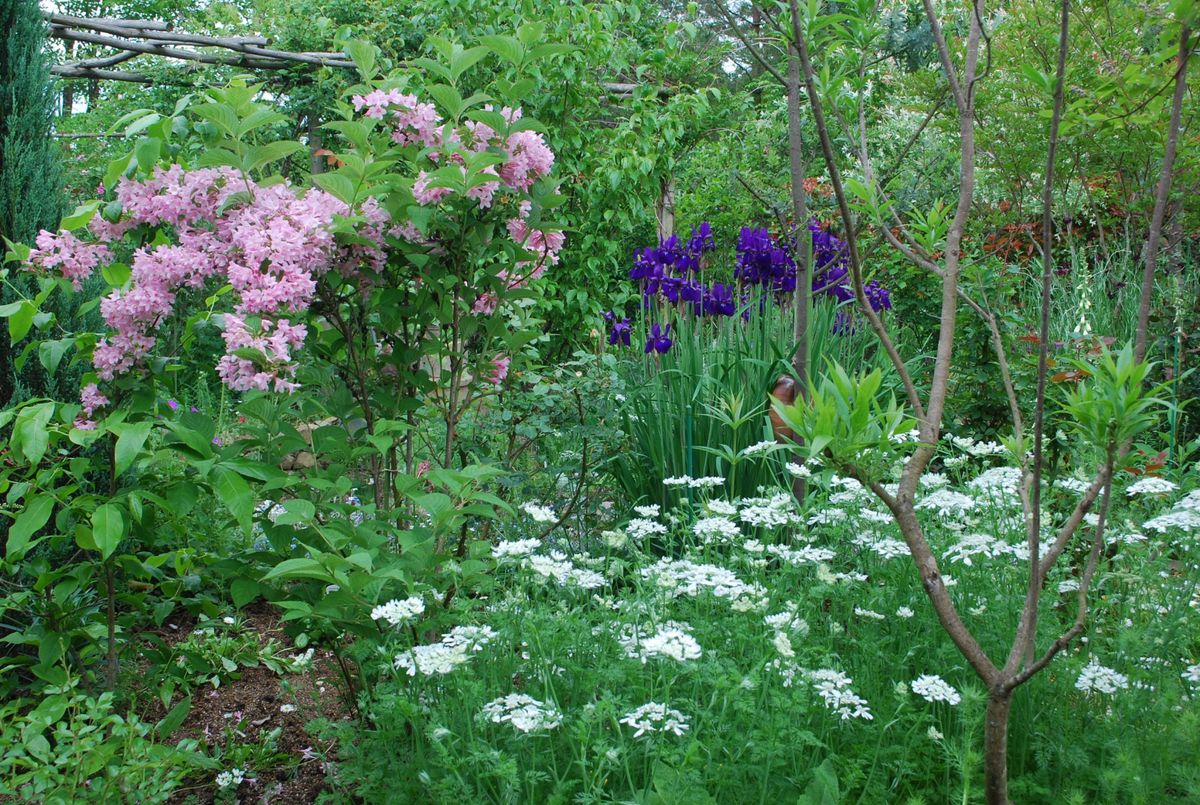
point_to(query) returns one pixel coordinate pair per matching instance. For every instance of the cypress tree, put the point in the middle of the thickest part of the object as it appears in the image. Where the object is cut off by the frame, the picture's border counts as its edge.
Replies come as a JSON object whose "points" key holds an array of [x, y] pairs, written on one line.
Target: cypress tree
{"points": [[31, 197]]}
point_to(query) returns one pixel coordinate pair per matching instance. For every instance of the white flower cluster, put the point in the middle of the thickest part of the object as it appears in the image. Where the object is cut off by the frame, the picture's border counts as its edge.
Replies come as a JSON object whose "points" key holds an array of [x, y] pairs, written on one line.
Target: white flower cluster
{"points": [[1095, 678], [716, 529], [770, 512], [232, 778], [946, 502], [1150, 486], [1185, 515], [525, 713], [654, 717], [671, 639], [834, 689], [514, 549], [455, 649], [652, 510], [883, 547], [798, 470], [558, 567], [707, 482], [801, 556], [1076, 485], [539, 514], [870, 614], [399, 611], [1000, 483], [759, 449], [687, 578], [969, 546], [721, 508], [1192, 674], [787, 621], [642, 527], [978, 449], [933, 688]]}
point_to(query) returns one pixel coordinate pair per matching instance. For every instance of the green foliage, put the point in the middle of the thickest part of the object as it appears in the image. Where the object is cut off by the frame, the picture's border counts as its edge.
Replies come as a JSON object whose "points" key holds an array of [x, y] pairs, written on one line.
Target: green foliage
{"points": [[694, 411], [73, 747], [1112, 404], [850, 421]]}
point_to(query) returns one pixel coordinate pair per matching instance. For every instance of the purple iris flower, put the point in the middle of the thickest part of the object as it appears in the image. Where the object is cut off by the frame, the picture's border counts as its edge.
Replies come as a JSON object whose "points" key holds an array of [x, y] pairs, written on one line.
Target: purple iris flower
{"points": [[879, 297], [620, 330], [659, 339]]}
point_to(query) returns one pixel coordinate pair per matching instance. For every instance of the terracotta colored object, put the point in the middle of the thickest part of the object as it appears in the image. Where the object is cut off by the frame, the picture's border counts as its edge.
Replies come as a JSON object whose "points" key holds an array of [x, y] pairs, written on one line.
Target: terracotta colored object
{"points": [[785, 392]]}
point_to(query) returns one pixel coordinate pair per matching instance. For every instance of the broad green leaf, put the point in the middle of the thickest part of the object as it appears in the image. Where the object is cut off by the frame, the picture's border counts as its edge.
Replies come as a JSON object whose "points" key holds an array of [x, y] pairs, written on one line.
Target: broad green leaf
{"points": [[338, 184], [131, 436], [296, 510], [174, 719], [82, 214], [235, 493], [50, 353], [506, 47], [147, 152], [29, 432], [116, 274], [31, 518], [299, 569], [108, 528], [220, 115], [19, 323], [364, 55], [264, 155]]}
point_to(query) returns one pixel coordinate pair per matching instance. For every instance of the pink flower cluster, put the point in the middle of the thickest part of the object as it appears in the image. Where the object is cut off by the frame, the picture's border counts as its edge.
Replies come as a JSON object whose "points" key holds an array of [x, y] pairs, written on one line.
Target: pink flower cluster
{"points": [[275, 342], [64, 254], [528, 158], [267, 242]]}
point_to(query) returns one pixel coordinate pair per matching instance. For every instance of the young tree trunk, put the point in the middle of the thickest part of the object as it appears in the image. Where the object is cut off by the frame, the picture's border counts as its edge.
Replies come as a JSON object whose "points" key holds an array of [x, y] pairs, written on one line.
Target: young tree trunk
{"points": [[995, 747], [799, 222], [665, 209], [1163, 194]]}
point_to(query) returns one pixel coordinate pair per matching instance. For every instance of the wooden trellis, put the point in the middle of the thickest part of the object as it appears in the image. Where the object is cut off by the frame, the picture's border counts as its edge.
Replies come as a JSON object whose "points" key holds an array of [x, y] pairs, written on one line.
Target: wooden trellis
{"points": [[130, 39]]}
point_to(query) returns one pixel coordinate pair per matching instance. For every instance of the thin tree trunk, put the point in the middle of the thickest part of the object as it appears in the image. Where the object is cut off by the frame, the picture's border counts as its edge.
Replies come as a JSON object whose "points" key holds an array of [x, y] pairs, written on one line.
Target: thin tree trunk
{"points": [[799, 222], [316, 142], [995, 748], [1163, 195], [801, 241], [665, 209]]}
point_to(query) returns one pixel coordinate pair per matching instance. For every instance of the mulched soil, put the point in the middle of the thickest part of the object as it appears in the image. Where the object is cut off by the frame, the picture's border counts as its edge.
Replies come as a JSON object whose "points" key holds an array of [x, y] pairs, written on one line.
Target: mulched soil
{"points": [[258, 700]]}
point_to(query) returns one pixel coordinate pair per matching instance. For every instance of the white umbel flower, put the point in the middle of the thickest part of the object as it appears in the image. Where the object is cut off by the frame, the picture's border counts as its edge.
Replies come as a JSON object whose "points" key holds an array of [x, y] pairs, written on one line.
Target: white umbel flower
{"points": [[1096, 678], [653, 717], [933, 688], [399, 611], [524, 713]]}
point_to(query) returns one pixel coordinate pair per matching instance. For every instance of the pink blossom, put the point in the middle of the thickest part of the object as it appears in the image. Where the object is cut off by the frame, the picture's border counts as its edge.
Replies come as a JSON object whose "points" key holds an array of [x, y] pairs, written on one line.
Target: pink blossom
{"points": [[92, 399], [499, 369], [424, 194], [529, 158], [376, 102], [67, 256], [275, 341]]}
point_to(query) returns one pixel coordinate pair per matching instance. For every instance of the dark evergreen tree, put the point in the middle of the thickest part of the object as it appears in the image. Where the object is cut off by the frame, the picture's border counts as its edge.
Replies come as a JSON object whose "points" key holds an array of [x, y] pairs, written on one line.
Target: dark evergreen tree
{"points": [[30, 172]]}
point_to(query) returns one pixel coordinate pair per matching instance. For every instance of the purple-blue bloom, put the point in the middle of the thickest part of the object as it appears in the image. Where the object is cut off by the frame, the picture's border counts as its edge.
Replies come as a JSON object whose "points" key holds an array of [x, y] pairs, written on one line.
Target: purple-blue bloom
{"points": [[620, 330], [659, 339]]}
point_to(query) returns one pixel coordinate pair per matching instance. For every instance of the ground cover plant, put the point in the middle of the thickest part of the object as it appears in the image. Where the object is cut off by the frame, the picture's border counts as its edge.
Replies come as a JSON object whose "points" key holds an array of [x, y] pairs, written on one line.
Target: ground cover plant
{"points": [[599, 402]]}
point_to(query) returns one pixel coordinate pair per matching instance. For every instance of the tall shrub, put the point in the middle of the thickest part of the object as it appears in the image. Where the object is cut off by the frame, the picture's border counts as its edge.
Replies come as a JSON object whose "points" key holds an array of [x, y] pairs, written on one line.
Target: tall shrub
{"points": [[30, 174]]}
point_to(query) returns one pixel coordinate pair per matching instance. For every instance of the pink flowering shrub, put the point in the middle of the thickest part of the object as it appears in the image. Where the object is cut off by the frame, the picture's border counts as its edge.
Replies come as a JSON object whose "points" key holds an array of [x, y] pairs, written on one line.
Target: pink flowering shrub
{"points": [[413, 267], [270, 243]]}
